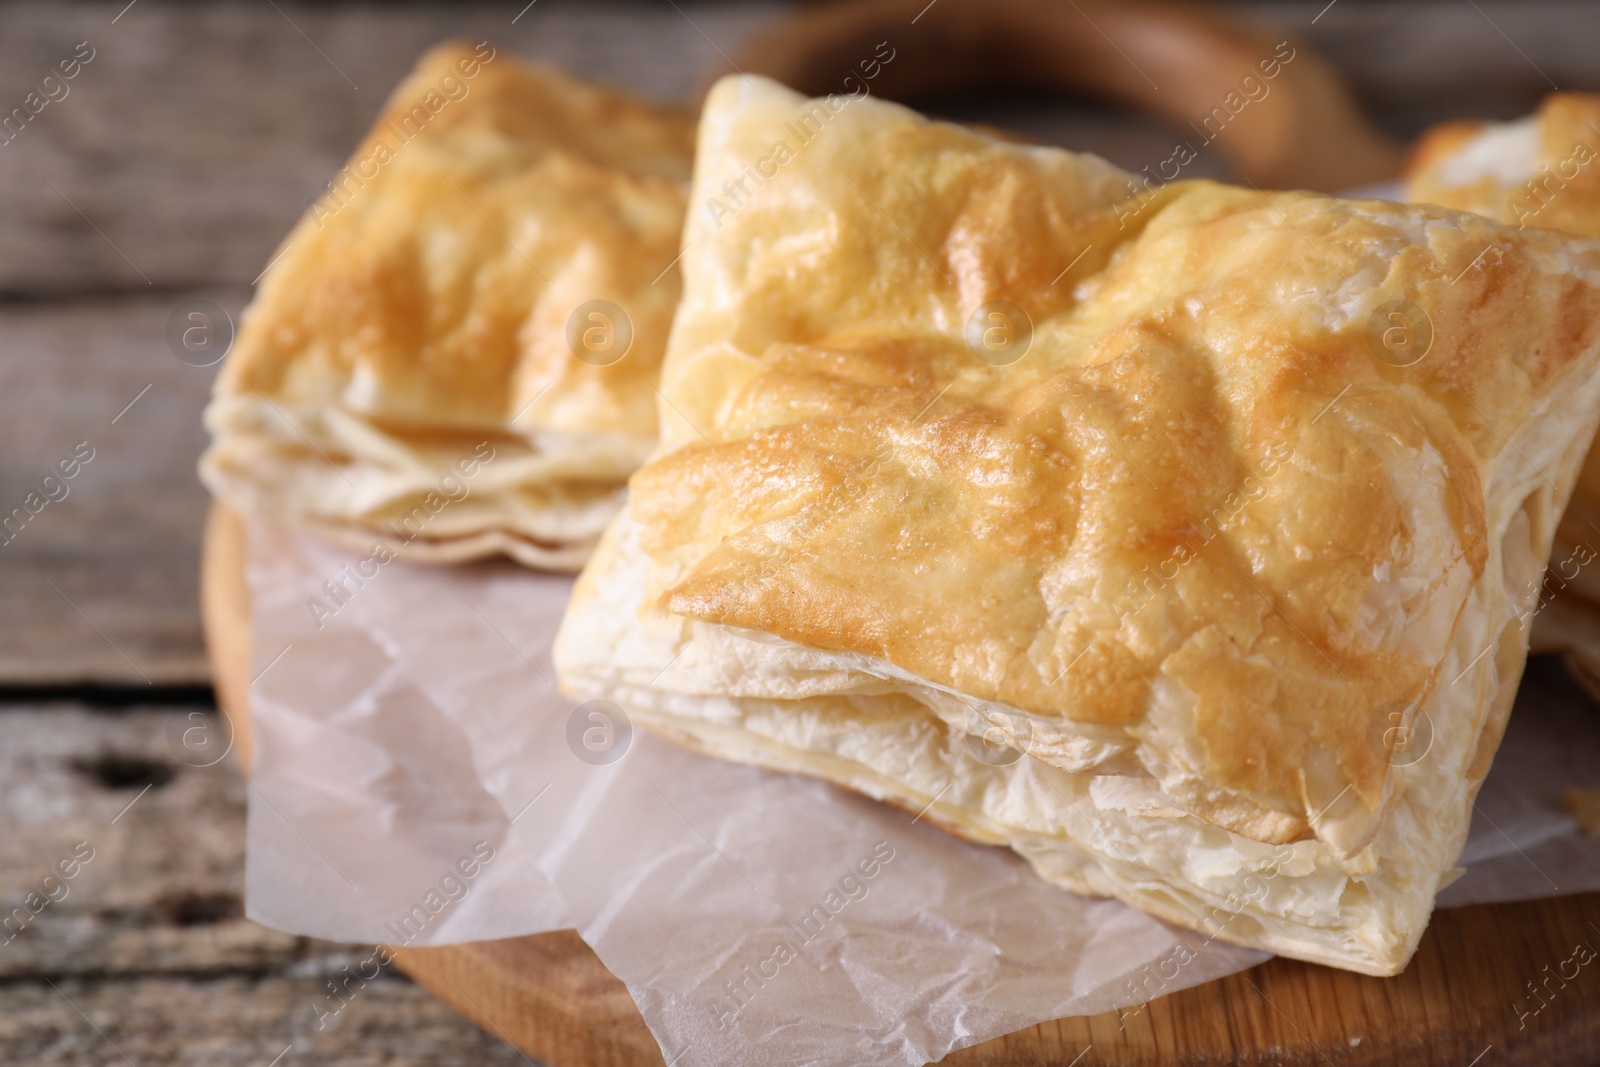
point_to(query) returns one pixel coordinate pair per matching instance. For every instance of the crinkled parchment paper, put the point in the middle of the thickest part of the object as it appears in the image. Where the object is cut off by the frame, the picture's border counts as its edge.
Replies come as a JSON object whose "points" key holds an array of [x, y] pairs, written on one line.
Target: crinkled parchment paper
{"points": [[418, 779]]}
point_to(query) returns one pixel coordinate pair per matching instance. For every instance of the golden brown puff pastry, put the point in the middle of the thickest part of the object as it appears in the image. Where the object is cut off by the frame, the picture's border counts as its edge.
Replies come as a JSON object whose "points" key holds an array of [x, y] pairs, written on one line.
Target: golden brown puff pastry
{"points": [[410, 369], [1202, 551], [1543, 170]]}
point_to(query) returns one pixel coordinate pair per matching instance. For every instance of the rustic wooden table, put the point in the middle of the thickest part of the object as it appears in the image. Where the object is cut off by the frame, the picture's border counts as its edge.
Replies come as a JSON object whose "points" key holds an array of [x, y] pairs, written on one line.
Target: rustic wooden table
{"points": [[187, 143]]}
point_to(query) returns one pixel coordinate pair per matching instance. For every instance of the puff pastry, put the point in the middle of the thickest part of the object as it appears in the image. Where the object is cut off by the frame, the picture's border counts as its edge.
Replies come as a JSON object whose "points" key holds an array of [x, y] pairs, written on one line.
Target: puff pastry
{"points": [[1543, 170], [1193, 547], [437, 306]]}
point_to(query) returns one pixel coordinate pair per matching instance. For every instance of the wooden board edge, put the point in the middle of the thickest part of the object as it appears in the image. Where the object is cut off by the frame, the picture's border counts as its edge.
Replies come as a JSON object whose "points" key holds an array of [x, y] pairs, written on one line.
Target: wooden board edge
{"points": [[225, 620], [547, 995]]}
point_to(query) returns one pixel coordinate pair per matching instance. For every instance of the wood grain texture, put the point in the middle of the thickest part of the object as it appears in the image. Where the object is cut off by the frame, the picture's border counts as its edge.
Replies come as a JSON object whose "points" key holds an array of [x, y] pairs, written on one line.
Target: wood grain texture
{"points": [[552, 997], [101, 583], [187, 147], [235, 1021], [198, 133], [147, 940]]}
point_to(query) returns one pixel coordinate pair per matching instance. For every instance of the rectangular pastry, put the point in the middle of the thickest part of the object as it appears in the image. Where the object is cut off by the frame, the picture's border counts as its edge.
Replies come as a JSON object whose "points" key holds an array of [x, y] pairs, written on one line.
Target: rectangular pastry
{"points": [[1542, 170], [455, 351], [1174, 537]]}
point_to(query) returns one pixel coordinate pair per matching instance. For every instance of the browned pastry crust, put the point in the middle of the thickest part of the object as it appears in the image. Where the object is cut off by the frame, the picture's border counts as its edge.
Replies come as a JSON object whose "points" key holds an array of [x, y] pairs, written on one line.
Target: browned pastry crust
{"points": [[1543, 171], [1018, 527], [1198, 551], [422, 306]]}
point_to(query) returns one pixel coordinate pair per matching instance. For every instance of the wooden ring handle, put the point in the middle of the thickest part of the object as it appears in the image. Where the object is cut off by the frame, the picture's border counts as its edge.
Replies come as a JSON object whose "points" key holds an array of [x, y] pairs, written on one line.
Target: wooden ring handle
{"points": [[1200, 70]]}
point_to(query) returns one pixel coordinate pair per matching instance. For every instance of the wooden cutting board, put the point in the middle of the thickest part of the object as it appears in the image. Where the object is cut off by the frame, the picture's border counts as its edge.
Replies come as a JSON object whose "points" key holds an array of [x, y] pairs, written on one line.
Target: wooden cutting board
{"points": [[1458, 1004]]}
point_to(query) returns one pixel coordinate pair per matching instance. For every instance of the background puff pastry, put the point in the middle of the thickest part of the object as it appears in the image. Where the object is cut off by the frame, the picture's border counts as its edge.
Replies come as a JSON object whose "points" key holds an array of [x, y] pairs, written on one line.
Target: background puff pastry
{"points": [[1543, 170], [410, 369], [1175, 522]]}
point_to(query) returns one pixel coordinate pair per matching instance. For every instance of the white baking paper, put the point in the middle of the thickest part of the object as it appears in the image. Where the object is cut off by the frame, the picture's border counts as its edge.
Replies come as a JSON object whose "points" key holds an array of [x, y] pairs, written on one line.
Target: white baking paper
{"points": [[417, 779]]}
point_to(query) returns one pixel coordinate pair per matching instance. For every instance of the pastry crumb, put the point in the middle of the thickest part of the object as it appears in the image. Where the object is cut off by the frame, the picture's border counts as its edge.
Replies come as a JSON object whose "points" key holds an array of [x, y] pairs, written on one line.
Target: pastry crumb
{"points": [[1585, 807]]}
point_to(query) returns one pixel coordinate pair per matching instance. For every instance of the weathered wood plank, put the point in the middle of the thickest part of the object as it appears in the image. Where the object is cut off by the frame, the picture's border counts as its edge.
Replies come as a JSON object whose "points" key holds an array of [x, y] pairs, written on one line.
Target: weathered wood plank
{"points": [[146, 938], [196, 135], [100, 584], [230, 1021]]}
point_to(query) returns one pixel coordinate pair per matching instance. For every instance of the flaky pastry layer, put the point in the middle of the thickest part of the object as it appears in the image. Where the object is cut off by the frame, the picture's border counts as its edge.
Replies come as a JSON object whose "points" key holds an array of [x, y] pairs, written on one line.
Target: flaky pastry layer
{"points": [[1115, 835], [1543, 170], [1201, 484], [426, 305], [1204, 545]]}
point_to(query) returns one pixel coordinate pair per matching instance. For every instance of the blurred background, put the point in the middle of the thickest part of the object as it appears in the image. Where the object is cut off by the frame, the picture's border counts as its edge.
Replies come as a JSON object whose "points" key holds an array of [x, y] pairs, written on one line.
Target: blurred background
{"points": [[185, 146]]}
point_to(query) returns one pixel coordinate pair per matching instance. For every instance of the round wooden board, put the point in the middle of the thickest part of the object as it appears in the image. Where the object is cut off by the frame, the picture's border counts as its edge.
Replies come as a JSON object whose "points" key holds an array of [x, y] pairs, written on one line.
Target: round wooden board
{"points": [[1456, 1005]]}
